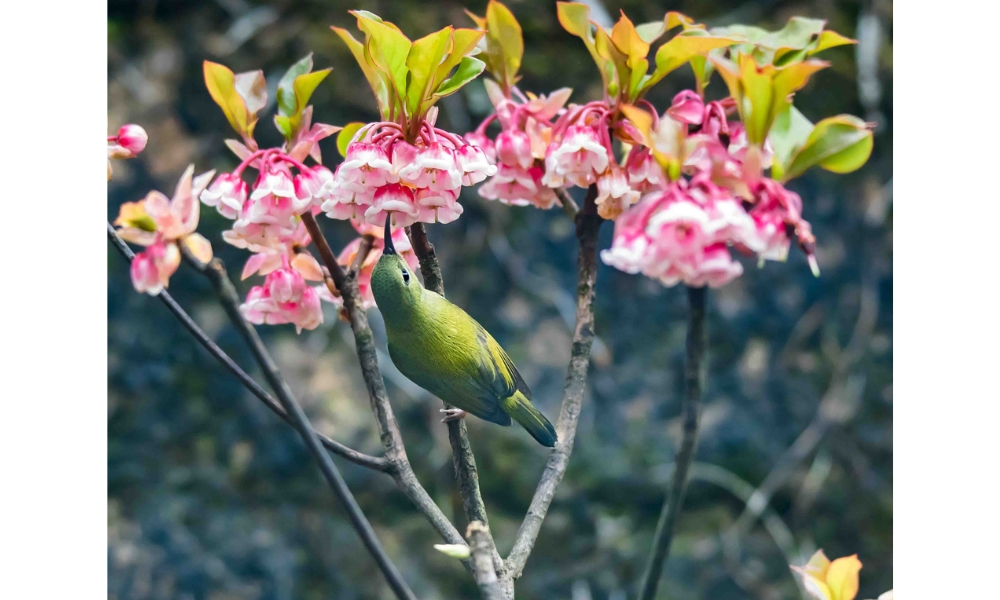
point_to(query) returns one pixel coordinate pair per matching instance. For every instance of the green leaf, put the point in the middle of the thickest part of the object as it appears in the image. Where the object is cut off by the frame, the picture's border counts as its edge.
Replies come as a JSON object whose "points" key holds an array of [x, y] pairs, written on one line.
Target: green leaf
{"points": [[346, 136], [840, 144], [388, 49], [422, 61], [463, 42], [680, 50], [650, 32], [305, 85], [377, 82], [575, 18], [284, 125], [467, 70], [286, 96], [221, 84], [504, 42], [788, 133]]}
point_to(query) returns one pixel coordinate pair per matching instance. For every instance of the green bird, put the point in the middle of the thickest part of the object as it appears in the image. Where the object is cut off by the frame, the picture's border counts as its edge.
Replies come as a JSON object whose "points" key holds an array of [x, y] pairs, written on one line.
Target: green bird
{"points": [[438, 346]]}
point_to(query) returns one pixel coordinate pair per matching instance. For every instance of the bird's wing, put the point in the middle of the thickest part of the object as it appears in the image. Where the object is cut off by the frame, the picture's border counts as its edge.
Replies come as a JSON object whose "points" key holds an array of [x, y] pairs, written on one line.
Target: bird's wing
{"points": [[497, 370]]}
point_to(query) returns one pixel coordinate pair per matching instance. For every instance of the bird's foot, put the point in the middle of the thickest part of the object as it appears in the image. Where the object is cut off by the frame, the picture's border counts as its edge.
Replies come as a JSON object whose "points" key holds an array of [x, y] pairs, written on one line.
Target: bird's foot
{"points": [[452, 414]]}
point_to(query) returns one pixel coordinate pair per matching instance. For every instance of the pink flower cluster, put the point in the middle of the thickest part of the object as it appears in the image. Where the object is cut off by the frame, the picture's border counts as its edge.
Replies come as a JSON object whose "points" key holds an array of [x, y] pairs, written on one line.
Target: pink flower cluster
{"points": [[681, 234], [519, 149], [160, 224], [384, 175], [267, 221], [681, 231]]}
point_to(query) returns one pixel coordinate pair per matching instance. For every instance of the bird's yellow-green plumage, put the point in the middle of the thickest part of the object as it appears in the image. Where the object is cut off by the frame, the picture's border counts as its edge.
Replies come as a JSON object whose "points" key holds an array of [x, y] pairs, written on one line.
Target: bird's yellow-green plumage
{"points": [[442, 349]]}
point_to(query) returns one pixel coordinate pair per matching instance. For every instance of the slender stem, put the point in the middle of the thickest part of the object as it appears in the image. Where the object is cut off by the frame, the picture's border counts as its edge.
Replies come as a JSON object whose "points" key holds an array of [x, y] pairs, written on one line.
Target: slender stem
{"points": [[693, 375], [364, 249], [463, 460], [385, 420], [216, 273], [479, 546], [372, 462], [569, 207], [588, 222]]}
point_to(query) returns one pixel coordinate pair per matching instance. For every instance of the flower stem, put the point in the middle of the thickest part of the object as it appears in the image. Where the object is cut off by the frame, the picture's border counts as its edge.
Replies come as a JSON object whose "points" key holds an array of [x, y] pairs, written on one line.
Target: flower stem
{"points": [[693, 375]]}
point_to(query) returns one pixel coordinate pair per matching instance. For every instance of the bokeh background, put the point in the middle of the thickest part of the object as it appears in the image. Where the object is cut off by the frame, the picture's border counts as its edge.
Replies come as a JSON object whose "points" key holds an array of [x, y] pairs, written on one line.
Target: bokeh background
{"points": [[212, 497]]}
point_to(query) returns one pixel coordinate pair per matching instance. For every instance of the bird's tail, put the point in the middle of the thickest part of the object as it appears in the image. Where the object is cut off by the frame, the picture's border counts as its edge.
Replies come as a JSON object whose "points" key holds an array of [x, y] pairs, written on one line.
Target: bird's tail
{"points": [[521, 410]]}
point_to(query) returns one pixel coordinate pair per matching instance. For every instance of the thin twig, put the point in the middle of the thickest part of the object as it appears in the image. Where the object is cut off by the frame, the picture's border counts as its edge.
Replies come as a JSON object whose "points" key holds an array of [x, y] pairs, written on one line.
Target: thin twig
{"points": [[693, 375], [568, 206], [463, 460], [479, 546], [367, 241], [216, 273], [372, 462], [385, 420], [588, 222]]}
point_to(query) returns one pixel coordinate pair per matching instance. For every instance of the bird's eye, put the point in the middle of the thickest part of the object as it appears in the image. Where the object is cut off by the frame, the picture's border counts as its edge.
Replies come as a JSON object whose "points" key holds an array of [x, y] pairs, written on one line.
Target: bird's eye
{"points": [[406, 276]]}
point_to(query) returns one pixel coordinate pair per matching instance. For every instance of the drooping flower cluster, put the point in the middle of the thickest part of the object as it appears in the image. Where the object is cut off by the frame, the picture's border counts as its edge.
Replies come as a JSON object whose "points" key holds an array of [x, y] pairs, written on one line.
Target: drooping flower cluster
{"points": [[267, 221], [160, 224], [384, 175], [682, 233], [128, 143], [519, 148]]}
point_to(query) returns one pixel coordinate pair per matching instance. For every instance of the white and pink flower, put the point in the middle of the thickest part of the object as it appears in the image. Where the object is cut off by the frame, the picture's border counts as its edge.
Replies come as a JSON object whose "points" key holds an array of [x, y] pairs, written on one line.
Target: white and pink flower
{"points": [[151, 269], [578, 158], [514, 149], [614, 194], [434, 166], [227, 194], [367, 165]]}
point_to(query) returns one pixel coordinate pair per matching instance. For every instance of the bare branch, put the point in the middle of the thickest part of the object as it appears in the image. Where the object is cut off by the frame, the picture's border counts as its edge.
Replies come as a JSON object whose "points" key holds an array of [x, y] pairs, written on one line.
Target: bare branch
{"points": [[588, 222], [385, 420], [697, 340], [216, 273], [372, 462], [479, 545], [569, 207]]}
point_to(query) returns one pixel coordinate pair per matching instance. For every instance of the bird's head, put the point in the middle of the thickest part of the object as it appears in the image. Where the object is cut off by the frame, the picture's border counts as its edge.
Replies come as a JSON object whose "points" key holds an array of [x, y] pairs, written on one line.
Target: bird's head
{"points": [[394, 285]]}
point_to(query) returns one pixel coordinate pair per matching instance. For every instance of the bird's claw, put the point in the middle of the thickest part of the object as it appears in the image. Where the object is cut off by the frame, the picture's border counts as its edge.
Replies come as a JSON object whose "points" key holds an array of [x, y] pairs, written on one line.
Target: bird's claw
{"points": [[452, 414]]}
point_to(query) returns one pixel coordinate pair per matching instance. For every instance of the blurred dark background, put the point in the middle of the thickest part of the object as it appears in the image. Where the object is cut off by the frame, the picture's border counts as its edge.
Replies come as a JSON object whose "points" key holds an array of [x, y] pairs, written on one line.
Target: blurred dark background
{"points": [[212, 497]]}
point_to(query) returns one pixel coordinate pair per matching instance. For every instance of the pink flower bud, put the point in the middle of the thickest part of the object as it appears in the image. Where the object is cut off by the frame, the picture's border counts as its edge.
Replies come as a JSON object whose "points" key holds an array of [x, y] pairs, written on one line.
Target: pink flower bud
{"points": [[687, 107], [152, 268], [474, 164], [514, 149], [132, 139]]}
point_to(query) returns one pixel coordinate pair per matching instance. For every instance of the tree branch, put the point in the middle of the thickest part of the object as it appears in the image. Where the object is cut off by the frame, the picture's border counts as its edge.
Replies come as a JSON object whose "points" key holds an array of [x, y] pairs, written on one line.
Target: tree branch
{"points": [[588, 222], [569, 207], [479, 546], [216, 273], [385, 420], [463, 460], [372, 462], [693, 375], [367, 241]]}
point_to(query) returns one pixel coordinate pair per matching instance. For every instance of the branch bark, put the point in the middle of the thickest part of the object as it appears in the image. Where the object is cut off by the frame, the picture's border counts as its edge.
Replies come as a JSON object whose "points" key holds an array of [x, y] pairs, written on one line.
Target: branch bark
{"points": [[588, 223], [693, 376], [385, 420], [371, 462], [216, 273], [479, 546]]}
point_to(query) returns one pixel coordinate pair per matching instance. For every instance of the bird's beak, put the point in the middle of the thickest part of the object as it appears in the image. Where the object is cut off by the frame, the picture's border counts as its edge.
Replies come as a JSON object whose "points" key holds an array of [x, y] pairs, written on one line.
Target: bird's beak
{"points": [[389, 248]]}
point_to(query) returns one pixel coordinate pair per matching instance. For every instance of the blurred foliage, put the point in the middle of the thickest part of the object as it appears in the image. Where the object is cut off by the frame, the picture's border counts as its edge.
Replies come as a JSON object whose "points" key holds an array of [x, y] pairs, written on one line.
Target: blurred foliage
{"points": [[210, 496]]}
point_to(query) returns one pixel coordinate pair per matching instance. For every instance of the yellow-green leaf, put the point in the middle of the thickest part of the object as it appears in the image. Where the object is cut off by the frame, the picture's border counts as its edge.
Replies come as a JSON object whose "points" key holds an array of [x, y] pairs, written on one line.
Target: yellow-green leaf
{"points": [[305, 85], [286, 95], [840, 144], [346, 136], [464, 41], [388, 49], [575, 18], [789, 132], [422, 61], [375, 79], [504, 40], [650, 32], [842, 578], [680, 50], [221, 84], [467, 70], [831, 39]]}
